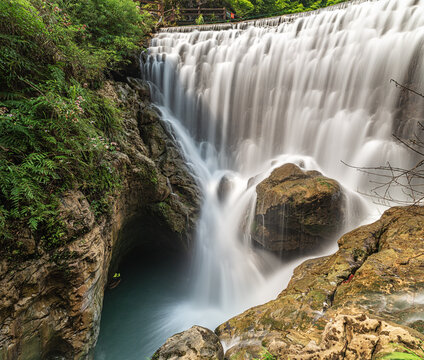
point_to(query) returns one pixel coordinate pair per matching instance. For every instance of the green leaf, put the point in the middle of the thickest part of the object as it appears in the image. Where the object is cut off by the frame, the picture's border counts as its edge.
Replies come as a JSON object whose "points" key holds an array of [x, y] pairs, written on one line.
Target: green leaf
{"points": [[401, 356]]}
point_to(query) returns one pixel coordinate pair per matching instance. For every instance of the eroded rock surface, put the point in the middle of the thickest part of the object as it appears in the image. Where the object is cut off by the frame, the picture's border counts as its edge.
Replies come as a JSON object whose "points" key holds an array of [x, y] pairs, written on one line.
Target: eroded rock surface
{"points": [[50, 304], [297, 210], [356, 337], [360, 303], [196, 343]]}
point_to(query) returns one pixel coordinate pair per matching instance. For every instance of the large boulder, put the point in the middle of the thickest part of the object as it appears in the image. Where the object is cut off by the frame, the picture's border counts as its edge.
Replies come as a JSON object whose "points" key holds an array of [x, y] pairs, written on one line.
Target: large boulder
{"points": [[196, 343], [297, 209]]}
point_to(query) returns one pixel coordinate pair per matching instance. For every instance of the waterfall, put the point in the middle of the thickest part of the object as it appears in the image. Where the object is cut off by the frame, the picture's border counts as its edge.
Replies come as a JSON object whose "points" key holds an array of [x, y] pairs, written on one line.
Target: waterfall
{"points": [[243, 99]]}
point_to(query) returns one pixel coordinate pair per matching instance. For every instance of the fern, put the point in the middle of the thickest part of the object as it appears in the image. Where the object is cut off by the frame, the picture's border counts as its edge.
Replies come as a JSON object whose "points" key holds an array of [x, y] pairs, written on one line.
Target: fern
{"points": [[55, 130]]}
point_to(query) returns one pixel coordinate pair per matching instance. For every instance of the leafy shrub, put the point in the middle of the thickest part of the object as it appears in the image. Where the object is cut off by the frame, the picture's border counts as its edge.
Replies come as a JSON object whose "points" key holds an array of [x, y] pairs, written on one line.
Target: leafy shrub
{"points": [[263, 8], [51, 143], [200, 20], [115, 25], [243, 7], [55, 130]]}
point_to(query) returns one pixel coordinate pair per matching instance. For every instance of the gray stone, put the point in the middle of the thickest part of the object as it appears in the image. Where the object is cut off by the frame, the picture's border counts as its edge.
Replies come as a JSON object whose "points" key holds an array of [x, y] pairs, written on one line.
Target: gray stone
{"points": [[224, 188], [197, 343]]}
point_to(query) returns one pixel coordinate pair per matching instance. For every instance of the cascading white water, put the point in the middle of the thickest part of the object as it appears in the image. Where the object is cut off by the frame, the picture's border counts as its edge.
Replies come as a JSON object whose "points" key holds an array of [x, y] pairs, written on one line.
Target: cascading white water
{"points": [[314, 91]]}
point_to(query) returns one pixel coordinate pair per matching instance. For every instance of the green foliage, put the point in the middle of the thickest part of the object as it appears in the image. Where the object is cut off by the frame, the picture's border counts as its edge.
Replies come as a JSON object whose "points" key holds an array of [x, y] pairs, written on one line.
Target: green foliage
{"points": [[264, 8], [401, 356], [200, 20], [407, 355], [117, 26], [245, 9], [84, 38], [53, 142], [266, 355], [55, 130]]}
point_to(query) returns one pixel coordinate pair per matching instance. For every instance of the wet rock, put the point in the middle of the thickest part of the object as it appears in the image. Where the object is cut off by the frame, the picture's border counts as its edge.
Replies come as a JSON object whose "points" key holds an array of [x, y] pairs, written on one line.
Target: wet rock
{"points": [[53, 303], [169, 189], [155, 138], [149, 115], [224, 188], [358, 303], [197, 343], [245, 351], [141, 86], [252, 181], [297, 210]]}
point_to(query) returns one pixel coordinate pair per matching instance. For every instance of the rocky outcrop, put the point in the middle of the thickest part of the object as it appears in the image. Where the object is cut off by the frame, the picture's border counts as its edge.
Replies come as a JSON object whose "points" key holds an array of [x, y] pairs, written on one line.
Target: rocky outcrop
{"points": [[76, 214], [224, 188], [360, 303], [297, 210], [196, 343], [50, 304], [174, 198], [353, 337]]}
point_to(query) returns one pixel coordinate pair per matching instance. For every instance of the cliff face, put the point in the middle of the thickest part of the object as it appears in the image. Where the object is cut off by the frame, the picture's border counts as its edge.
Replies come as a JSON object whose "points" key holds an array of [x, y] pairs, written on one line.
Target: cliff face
{"points": [[51, 305]]}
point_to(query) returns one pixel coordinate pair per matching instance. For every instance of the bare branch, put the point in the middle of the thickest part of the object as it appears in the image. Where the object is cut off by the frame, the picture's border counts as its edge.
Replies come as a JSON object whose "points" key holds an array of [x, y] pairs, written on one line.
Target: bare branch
{"points": [[409, 183], [405, 88]]}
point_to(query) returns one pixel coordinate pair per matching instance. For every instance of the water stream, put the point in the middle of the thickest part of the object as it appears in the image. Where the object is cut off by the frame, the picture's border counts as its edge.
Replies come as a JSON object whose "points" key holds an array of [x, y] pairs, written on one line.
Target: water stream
{"points": [[315, 91]]}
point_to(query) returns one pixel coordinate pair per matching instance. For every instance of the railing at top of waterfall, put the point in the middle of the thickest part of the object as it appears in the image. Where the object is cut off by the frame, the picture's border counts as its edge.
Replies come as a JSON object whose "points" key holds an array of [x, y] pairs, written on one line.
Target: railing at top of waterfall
{"points": [[186, 16], [224, 18]]}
